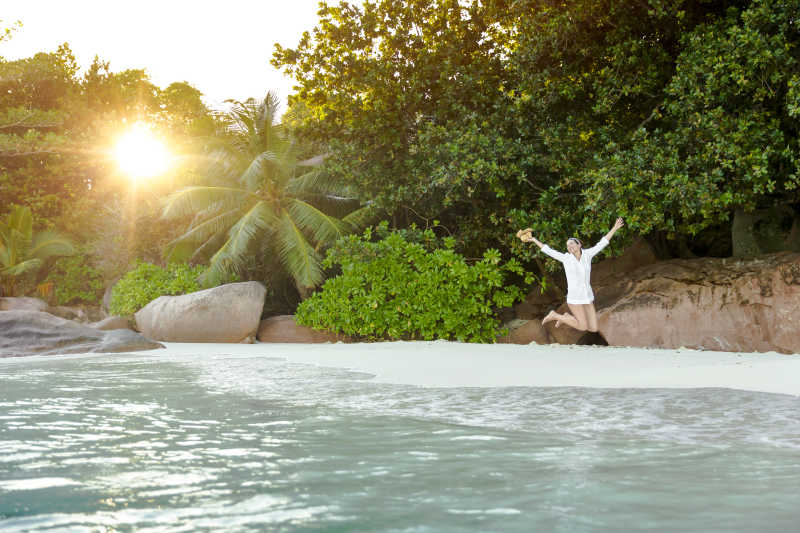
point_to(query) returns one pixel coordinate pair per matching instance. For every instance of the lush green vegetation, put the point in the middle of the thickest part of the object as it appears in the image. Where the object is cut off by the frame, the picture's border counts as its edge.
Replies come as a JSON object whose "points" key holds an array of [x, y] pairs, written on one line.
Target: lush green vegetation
{"points": [[74, 281], [397, 288], [57, 135], [23, 251], [487, 116], [680, 116], [146, 282], [259, 199]]}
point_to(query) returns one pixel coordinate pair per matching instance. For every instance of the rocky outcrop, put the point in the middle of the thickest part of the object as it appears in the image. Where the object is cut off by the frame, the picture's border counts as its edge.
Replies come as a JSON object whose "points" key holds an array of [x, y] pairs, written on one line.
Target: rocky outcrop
{"points": [[283, 328], [38, 333], [728, 304], [112, 322], [70, 313], [228, 313], [714, 304], [22, 303], [524, 332], [76, 313]]}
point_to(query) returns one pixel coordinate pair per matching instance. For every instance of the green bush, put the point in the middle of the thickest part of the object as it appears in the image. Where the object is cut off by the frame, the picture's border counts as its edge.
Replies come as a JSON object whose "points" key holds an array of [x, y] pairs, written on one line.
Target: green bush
{"points": [[396, 289], [75, 281], [146, 282]]}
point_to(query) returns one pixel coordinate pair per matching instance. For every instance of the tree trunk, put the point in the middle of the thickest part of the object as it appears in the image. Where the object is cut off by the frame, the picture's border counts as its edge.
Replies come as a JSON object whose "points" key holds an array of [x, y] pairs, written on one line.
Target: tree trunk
{"points": [[742, 234]]}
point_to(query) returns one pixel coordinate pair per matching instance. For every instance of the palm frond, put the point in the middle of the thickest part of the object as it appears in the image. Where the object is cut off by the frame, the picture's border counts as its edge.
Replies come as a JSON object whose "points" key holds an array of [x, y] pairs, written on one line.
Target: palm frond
{"points": [[260, 168], [224, 164], [361, 218], [268, 111], [5, 236], [21, 219], [21, 268], [297, 255], [190, 200], [207, 249], [206, 229], [230, 256], [332, 205], [324, 228], [19, 245], [49, 244], [5, 258], [319, 182], [242, 116]]}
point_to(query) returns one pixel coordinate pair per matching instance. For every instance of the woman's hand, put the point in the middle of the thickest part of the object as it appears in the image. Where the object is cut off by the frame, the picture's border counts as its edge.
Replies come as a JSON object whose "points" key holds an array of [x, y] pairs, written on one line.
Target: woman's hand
{"points": [[618, 224], [525, 235]]}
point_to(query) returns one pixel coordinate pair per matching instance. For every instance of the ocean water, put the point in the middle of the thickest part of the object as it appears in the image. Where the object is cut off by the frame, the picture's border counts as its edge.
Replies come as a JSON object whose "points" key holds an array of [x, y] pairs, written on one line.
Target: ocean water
{"points": [[169, 442]]}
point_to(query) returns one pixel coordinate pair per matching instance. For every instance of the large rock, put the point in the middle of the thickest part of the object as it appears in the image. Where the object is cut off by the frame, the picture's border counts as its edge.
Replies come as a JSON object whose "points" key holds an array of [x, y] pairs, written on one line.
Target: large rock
{"points": [[38, 333], [537, 303], [610, 273], [110, 323], [22, 303], [524, 332], [228, 313], [70, 313], [714, 304], [78, 313], [283, 328]]}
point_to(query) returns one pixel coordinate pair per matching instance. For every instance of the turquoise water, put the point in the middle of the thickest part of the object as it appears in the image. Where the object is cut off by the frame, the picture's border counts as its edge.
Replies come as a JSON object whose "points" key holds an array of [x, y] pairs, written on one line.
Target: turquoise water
{"points": [[231, 443]]}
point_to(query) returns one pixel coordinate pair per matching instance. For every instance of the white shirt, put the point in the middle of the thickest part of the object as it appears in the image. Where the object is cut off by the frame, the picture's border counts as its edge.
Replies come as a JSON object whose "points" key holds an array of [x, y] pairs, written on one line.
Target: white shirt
{"points": [[579, 291]]}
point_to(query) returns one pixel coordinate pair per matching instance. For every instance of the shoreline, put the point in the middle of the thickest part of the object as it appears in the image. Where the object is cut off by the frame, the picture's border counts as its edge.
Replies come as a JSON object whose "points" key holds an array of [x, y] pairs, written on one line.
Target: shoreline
{"points": [[443, 364], [452, 364]]}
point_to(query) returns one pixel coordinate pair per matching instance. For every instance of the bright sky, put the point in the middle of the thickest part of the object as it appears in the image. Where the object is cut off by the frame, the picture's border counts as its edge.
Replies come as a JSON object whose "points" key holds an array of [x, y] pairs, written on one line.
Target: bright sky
{"points": [[222, 48]]}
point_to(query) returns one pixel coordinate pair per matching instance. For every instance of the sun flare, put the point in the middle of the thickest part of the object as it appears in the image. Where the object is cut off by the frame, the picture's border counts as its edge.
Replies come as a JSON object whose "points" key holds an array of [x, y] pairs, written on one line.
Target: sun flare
{"points": [[140, 154]]}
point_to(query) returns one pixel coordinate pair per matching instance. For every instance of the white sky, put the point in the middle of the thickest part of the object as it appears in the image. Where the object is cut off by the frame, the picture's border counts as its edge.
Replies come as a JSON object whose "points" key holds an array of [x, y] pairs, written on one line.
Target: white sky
{"points": [[222, 48]]}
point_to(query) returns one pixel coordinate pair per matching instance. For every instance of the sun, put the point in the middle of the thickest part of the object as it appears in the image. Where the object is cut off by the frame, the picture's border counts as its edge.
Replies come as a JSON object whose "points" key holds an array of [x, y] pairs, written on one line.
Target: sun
{"points": [[140, 154]]}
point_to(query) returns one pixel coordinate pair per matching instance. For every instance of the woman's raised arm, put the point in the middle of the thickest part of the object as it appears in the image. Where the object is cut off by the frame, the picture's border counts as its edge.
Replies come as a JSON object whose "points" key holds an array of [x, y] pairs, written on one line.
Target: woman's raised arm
{"points": [[526, 236], [618, 224]]}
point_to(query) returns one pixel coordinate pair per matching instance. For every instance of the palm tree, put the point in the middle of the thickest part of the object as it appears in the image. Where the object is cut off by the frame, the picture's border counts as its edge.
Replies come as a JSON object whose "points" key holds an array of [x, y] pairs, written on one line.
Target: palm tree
{"points": [[23, 251], [256, 191]]}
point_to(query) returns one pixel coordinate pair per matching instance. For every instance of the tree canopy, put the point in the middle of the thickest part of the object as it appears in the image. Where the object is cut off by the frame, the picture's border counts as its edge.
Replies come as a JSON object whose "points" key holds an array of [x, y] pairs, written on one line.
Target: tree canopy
{"points": [[494, 115]]}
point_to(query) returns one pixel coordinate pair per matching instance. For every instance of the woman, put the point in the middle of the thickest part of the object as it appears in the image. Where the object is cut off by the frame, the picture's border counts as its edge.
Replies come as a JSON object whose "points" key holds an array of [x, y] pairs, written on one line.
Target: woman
{"points": [[578, 267]]}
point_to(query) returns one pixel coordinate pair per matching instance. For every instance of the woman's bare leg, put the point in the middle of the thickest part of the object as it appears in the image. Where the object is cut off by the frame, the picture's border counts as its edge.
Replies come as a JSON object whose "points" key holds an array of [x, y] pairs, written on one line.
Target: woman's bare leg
{"points": [[552, 315], [558, 322], [576, 320], [591, 317]]}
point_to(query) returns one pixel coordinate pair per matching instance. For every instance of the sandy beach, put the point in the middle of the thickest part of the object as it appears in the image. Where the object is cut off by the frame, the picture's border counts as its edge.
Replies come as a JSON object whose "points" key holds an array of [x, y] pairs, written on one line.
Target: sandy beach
{"points": [[451, 364]]}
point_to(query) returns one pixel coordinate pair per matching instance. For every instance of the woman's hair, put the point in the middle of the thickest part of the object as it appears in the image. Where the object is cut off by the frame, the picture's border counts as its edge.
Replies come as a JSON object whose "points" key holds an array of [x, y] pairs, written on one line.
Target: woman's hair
{"points": [[576, 240]]}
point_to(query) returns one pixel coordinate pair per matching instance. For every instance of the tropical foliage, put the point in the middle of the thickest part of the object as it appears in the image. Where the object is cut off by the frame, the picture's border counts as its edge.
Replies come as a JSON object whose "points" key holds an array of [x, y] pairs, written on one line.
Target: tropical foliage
{"points": [[494, 115], [146, 282], [24, 251], [258, 198], [487, 115], [399, 289], [73, 280]]}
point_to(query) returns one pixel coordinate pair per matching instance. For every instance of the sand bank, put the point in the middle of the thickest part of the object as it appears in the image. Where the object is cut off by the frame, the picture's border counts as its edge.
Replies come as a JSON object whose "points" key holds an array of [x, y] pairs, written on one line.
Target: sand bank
{"points": [[451, 364]]}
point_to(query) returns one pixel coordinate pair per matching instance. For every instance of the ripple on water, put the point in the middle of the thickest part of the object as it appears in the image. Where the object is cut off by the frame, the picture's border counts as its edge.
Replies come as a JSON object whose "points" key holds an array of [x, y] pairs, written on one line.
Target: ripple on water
{"points": [[236, 443]]}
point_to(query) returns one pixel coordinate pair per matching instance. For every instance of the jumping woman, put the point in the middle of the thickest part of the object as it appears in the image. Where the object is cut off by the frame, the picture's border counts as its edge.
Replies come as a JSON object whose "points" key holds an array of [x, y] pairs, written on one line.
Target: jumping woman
{"points": [[578, 267]]}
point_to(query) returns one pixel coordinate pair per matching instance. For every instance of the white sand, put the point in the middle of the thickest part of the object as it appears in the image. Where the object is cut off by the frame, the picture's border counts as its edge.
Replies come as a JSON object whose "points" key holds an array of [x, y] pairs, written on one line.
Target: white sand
{"points": [[451, 364]]}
